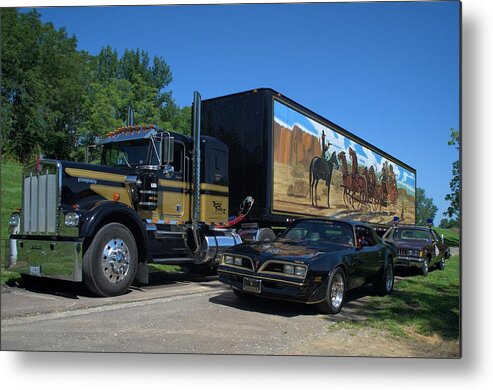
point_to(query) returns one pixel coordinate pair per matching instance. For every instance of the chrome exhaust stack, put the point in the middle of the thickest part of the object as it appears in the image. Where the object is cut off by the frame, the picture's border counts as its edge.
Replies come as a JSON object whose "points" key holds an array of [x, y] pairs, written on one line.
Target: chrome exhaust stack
{"points": [[196, 170]]}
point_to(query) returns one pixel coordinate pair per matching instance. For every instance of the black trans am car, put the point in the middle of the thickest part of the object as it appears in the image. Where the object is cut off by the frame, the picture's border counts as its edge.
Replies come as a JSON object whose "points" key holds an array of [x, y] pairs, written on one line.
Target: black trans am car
{"points": [[314, 261], [418, 246]]}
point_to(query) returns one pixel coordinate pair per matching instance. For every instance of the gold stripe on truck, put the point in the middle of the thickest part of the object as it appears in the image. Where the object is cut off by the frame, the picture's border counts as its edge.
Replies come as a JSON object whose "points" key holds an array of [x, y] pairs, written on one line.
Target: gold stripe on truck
{"points": [[89, 174]]}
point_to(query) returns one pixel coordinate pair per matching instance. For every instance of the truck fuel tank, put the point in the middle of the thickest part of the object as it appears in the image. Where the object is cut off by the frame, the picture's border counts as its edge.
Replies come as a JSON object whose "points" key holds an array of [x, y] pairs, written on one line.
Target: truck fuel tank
{"points": [[214, 243]]}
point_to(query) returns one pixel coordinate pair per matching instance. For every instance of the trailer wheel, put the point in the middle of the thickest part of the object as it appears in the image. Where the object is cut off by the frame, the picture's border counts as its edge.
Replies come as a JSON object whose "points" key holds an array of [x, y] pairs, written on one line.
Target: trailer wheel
{"points": [[110, 263], [265, 235]]}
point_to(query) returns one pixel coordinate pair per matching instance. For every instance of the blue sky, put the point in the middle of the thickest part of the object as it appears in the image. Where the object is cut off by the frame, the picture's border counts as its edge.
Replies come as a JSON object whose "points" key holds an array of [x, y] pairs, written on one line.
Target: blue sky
{"points": [[388, 72]]}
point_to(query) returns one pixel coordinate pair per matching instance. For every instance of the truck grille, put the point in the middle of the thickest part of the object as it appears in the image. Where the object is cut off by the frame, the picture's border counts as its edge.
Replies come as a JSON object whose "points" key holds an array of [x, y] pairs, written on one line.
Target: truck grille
{"points": [[402, 251], [40, 198]]}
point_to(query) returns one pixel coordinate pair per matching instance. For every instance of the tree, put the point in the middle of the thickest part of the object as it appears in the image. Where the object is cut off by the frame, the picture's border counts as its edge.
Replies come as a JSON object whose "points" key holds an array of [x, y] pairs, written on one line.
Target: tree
{"points": [[42, 86], [425, 209], [453, 211]]}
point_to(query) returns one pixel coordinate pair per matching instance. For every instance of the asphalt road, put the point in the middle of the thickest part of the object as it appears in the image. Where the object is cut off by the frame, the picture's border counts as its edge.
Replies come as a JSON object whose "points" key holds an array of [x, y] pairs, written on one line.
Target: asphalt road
{"points": [[174, 314]]}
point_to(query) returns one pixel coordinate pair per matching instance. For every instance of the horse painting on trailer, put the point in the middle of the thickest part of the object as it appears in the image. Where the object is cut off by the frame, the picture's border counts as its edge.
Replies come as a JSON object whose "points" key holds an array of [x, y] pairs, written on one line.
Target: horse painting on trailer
{"points": [[321, 170]]}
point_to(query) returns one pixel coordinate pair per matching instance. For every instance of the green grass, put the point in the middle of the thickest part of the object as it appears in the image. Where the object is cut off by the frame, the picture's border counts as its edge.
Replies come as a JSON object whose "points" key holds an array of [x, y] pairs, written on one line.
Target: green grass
{"points": [[424, 305], [451, 236], [10, 199]]}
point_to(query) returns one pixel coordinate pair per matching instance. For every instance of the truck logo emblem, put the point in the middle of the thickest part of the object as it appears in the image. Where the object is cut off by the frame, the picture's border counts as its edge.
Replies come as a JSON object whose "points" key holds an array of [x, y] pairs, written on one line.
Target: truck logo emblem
{"points": [[218, 207], [179, 207]]}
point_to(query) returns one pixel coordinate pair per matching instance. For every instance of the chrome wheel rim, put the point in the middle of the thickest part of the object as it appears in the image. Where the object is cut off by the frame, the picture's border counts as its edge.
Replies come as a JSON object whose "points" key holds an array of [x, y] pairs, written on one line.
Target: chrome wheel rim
{"points": [[337, 291], [115, 260], [389, 278]]}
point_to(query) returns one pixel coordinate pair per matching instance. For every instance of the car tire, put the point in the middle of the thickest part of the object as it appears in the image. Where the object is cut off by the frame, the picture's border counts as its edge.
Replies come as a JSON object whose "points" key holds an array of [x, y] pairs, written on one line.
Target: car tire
{"points": [[385, 285], [336, 292], [425, 266], [441, 264], [110, 263]]}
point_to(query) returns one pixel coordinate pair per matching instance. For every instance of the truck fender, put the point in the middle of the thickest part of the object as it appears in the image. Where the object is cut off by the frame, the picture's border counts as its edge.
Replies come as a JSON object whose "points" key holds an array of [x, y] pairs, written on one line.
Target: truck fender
{"points": [[106, 212]]}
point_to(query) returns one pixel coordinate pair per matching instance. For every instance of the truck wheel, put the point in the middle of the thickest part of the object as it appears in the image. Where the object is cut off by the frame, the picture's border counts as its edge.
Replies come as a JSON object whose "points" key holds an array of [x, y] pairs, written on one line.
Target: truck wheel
{"points": [[441, 264], [265, 235], [336, 291], [386, 284], [110, 263]]}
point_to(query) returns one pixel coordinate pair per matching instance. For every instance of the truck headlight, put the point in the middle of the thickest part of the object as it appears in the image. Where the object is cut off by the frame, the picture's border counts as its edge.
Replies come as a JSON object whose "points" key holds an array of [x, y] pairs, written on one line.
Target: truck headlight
{"points": [[72, 219], [288, 269], [238, 261], [14, 220]]}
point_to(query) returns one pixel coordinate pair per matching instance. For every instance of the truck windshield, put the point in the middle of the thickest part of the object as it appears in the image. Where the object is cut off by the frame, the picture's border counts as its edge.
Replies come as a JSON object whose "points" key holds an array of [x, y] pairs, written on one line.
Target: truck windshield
{"points": [[128, 153]]}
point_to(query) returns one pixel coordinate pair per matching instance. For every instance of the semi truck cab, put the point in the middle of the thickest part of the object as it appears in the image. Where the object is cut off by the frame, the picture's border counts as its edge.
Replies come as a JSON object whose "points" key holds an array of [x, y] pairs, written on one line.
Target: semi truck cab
{"points": [[157, 196]]}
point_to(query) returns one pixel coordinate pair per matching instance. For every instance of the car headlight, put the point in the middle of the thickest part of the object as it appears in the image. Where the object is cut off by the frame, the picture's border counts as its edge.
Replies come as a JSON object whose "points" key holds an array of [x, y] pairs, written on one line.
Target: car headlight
{"points": [[227, 259], [299, 270], [72, 219]]}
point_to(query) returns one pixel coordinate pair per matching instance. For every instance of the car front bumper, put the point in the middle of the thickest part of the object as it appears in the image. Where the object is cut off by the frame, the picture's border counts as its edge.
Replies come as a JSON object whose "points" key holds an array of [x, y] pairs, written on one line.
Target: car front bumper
{"points": [[59, 259], [409, 262], [289, 290]]}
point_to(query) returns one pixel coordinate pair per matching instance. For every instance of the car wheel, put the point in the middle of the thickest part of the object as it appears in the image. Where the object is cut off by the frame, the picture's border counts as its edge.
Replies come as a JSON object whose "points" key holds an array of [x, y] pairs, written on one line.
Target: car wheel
{"points": [[336, 291], [425, 267], [386, 284], [110, 263], [441, 264]]}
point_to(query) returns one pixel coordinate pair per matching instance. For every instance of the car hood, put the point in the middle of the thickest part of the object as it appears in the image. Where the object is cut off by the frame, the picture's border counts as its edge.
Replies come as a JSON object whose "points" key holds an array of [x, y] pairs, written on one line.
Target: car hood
{"points": [[300, 251]]}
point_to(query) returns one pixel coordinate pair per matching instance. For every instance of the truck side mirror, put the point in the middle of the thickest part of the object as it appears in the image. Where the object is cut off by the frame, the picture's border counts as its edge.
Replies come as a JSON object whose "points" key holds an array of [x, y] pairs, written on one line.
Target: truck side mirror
{"points": [[168, 150]]}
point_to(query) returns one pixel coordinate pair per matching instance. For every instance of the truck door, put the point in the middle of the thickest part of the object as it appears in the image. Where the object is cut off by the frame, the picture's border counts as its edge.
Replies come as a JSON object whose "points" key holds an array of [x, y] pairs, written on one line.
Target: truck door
{"points": [[174, 189]]}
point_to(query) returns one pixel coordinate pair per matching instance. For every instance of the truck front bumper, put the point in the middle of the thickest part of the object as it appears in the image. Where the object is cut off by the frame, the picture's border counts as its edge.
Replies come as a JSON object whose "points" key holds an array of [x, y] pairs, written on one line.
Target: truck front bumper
{"points": [[59, 259]]}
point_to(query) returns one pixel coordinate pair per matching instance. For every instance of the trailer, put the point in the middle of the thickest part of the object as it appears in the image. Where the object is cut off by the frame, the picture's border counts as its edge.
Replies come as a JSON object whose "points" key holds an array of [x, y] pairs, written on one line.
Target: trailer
{"points": [[294, 162], [256, 161]]}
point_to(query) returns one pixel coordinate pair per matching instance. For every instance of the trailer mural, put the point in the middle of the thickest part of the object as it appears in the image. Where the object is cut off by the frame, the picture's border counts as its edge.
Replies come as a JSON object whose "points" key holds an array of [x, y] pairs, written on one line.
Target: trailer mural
{"points": [[319, 171]]}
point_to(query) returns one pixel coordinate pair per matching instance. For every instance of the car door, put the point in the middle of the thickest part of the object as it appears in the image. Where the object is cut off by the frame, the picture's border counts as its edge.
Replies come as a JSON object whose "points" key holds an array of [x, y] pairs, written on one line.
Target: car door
{"points": [[370, 251], [437, 242]]}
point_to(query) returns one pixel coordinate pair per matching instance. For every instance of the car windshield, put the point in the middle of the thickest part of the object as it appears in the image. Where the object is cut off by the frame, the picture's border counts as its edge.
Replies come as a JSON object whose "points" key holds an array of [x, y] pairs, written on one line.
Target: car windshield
{"points": [[314, 230], [127, 153], [410, 234]]}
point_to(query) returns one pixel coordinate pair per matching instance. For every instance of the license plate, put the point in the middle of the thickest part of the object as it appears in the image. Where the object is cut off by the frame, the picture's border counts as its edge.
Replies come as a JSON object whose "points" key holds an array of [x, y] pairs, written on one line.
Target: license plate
{"points": [[252, 285], [35, 270]]}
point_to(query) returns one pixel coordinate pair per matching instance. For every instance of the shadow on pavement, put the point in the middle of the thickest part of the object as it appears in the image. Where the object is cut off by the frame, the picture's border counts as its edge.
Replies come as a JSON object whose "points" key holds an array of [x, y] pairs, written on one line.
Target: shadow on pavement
{"points": [[76, 290], [355, 299]]}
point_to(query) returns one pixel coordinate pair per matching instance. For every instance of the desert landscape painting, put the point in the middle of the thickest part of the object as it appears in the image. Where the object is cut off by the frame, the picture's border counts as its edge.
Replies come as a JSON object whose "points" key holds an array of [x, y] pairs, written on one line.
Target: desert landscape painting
{"points": [[319, 171]]}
